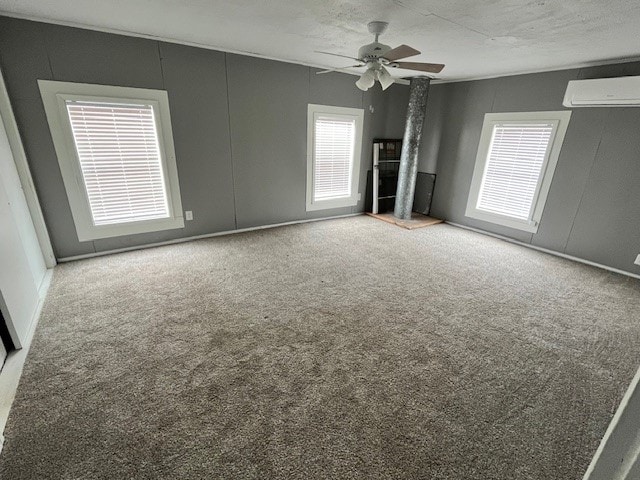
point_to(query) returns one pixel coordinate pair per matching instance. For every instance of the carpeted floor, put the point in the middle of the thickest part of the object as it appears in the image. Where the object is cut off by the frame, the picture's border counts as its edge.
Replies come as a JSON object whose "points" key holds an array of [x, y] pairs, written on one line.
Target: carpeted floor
{"points": [[340, 349]]}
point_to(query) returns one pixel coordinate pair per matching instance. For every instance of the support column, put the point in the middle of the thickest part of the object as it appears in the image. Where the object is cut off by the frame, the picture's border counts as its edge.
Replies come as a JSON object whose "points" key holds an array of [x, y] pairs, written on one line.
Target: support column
{"points": [[416, 111]]}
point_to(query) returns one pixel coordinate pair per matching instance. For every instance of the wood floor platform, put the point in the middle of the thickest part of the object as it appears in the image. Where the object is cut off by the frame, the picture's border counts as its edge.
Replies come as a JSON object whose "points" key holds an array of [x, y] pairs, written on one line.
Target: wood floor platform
{"points": [[418, 220]]}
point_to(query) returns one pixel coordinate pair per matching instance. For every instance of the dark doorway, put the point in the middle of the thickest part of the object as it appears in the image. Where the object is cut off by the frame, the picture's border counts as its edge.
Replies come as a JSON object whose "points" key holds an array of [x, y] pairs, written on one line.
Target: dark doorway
{"points": [[5, 338]]}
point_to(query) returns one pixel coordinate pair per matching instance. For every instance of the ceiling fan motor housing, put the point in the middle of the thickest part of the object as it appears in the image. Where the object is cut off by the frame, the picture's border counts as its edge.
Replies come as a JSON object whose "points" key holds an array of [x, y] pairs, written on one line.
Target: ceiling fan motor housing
{"points": [[376, 56], [373, 51]]}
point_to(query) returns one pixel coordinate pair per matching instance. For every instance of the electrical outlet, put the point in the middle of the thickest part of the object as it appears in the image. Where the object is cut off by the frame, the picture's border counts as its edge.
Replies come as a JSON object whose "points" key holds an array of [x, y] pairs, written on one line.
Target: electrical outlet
{"points": [[637, 262], [188, 215]]}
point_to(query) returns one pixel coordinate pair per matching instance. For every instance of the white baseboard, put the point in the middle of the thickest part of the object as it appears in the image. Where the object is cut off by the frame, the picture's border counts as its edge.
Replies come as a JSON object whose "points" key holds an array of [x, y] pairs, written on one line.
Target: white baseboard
{"points": [[200, 237], [12, 369], [546, 250], [618, 455]]}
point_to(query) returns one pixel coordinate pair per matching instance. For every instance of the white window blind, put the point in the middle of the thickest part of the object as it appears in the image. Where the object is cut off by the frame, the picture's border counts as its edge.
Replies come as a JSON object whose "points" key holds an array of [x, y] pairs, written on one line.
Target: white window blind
{"points": [[333, 157], [516, 156], [119, 154]]}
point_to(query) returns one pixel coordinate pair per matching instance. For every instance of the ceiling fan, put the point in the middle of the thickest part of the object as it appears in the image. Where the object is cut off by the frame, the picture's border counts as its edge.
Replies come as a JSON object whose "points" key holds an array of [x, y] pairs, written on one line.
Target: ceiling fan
{"points": [[376, 56]]}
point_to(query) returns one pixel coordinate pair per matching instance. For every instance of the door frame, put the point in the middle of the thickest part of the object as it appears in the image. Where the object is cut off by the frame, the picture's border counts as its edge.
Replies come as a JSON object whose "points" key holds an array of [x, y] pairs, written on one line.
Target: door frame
{"points": [[22, 166]]}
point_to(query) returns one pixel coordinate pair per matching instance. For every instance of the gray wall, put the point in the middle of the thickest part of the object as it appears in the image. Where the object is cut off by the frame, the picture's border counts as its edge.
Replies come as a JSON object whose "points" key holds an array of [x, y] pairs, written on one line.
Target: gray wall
{"points": [[240, 133], [239, 124], [593, 208], [394, 117]]}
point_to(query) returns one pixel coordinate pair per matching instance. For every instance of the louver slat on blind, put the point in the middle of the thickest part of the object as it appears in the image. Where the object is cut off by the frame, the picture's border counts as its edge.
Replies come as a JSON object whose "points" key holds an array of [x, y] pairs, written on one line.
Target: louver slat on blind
{"points": [[516, 156], [117, 146], [333, 158]]}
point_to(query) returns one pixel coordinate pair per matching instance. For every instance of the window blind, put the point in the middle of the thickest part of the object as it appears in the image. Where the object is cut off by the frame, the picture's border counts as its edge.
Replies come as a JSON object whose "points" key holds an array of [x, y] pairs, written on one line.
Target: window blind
{"points": [[333, 157], [119, 155], [516, 156]]}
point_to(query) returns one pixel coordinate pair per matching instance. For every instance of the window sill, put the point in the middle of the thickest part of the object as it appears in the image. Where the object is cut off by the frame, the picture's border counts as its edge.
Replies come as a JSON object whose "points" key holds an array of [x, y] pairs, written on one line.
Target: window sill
{"points": [[523, 225], [132, 228], [333, 203]]}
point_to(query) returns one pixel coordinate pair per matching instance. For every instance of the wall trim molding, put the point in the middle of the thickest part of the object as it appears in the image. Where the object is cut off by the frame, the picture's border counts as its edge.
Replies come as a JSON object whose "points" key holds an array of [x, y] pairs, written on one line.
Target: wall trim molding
{"points": [[22, 166], [618, 455], [200, 237], [546, 250], [160, 38], [12, 369]]}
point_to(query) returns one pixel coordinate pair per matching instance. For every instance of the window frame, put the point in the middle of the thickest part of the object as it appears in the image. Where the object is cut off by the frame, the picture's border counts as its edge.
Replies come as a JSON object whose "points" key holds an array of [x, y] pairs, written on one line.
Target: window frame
{"points": [[356, 114], [54, 96], [560, 120]]}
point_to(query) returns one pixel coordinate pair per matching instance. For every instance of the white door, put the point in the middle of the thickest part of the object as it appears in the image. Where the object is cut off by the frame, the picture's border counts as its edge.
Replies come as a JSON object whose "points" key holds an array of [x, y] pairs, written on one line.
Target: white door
{"points": [[23, 268]]}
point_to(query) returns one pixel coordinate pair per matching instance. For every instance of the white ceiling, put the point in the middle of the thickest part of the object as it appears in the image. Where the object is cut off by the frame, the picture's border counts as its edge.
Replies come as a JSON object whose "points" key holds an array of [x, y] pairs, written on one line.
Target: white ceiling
{"points": [[474, 38]]}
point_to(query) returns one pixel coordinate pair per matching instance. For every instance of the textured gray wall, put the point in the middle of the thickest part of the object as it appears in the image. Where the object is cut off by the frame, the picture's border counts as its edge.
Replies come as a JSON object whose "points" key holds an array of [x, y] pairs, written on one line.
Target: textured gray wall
{"points": [[239, 129], [396, 108], [239, 124], [593, 208]]}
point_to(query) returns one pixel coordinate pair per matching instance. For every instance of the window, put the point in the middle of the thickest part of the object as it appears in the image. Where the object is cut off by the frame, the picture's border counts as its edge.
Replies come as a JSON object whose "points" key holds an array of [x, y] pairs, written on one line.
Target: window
{"points": [[116, 155], [333, 156], [517, 156]]}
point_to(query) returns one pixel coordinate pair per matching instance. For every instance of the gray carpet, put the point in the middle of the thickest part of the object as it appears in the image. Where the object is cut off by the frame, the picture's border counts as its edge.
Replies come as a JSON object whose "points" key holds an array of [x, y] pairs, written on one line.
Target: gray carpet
{"points": [[341, 349]]}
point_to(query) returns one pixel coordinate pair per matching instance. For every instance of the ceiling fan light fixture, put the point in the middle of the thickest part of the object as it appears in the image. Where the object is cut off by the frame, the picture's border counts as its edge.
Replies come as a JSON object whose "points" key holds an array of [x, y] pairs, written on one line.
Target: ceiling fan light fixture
{"points": [[385, 79], [377, 55], [366, 81]]}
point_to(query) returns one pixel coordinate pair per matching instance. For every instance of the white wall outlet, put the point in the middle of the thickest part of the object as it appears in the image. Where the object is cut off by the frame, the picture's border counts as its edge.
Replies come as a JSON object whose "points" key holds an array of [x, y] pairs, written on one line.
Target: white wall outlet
{"points": [[188, 215], [637, 262]]}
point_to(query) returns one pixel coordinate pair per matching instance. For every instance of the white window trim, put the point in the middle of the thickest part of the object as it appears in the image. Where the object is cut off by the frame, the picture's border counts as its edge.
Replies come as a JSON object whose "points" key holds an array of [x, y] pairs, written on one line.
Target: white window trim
{"points": [[54, 95], [356, 114], [560, 119]]}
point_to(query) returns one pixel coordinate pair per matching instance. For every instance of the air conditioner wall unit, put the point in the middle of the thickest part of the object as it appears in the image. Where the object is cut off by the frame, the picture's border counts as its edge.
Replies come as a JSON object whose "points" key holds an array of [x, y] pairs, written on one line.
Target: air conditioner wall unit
{"points": [[603, 92]]}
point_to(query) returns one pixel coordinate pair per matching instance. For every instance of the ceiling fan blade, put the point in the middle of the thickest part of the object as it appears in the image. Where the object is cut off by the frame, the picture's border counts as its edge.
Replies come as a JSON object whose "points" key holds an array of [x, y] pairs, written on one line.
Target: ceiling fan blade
{"points": [[341, 69], [422, 67], [403, 51], [338, 55]]}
